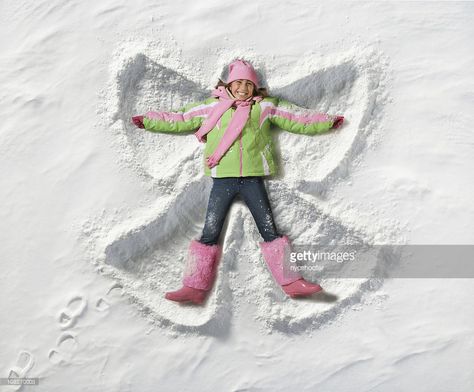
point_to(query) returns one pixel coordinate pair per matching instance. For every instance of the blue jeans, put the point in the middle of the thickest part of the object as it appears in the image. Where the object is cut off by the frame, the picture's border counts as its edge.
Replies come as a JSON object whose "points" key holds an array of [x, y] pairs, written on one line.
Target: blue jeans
{"points": [[253, 192]]}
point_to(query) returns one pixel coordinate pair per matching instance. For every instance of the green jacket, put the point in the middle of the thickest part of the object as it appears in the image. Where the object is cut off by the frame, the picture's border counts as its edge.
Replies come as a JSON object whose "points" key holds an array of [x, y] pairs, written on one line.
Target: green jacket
{"points": [[252, 154]]}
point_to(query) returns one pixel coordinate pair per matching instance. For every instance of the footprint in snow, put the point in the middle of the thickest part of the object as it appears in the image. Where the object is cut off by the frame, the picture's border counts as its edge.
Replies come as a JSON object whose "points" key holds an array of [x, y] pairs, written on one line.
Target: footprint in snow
{"points": [[66, 345], [103, 303], [75, 308], [24, 363]]}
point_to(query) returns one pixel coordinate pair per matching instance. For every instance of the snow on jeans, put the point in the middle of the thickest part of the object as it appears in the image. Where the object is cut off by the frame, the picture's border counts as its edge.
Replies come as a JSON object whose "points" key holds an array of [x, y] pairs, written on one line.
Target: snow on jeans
{"points": [[252, 191]]}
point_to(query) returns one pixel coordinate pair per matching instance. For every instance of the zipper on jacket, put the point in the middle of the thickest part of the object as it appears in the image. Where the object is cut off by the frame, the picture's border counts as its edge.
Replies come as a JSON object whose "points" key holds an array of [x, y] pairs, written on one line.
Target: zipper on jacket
{"points": [[241, 153], [240, 142]]}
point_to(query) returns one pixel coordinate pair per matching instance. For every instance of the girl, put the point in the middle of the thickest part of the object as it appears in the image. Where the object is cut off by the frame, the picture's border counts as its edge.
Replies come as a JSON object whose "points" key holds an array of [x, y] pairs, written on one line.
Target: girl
{"points": [[235, 125]]}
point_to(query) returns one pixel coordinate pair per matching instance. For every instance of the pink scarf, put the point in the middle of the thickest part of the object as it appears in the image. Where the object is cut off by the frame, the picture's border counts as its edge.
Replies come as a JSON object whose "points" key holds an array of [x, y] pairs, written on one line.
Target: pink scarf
{"points": [[236, 124]]}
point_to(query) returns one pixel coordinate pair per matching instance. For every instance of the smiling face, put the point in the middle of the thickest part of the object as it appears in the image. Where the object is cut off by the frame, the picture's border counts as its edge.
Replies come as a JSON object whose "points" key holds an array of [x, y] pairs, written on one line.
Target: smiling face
{"points": [[242, 89]]}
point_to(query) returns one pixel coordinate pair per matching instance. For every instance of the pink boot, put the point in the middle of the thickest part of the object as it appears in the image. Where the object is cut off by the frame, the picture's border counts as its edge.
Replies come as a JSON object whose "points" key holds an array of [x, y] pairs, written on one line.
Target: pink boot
{"points": [[277, 256], [187, 294], [199, 274], [301, 288]]}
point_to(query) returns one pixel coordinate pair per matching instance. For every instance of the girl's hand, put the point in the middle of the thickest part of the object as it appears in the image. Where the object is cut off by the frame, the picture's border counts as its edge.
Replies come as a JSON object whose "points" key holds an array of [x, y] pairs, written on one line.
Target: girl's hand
{"points": [[211, 161], [338, 122], [138, 121]]}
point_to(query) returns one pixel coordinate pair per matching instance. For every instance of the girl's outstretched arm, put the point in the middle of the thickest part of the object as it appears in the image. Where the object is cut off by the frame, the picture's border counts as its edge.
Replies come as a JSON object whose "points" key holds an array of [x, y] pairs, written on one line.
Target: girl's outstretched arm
{"points": [[295, 119], [187, 119]]}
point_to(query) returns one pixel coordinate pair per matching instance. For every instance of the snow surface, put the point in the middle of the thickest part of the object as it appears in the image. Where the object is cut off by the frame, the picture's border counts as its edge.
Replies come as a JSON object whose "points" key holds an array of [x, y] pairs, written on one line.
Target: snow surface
{"points": [[97, 215]]}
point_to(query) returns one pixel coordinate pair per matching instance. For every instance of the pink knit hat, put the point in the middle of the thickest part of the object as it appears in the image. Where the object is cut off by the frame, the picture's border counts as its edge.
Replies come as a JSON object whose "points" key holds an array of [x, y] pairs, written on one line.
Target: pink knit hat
{"points": [[240, 69]]}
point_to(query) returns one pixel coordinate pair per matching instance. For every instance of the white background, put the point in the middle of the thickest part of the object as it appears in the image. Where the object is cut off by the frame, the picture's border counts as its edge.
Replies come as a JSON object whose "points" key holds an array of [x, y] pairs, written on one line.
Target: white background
{"points": [[59, 169]]}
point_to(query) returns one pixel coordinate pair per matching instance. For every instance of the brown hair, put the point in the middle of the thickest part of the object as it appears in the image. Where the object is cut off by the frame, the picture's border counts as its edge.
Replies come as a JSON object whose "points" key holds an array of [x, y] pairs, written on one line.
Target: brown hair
{"points": [[262, 91]]}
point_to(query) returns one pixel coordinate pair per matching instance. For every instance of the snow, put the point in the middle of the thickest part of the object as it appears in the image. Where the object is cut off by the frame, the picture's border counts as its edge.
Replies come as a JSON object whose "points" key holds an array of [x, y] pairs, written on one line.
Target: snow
{"points": [[97, 215]]}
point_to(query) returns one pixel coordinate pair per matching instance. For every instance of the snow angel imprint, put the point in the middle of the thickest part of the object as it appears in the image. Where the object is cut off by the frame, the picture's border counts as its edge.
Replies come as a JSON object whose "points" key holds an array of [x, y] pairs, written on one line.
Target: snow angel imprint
{"points": [[235, 124]]}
